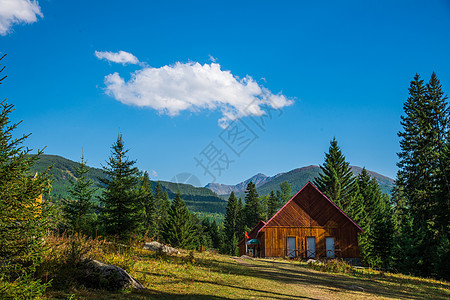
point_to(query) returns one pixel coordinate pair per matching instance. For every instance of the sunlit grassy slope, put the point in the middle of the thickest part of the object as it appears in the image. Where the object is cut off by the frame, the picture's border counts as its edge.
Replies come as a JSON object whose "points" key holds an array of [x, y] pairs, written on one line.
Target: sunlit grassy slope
{"points": [[212, 276]]}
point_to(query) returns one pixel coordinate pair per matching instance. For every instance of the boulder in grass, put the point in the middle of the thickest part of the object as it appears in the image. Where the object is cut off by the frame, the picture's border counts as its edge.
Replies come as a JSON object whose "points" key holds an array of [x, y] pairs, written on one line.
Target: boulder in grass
{"points": [[96, 274], [158, 247]]}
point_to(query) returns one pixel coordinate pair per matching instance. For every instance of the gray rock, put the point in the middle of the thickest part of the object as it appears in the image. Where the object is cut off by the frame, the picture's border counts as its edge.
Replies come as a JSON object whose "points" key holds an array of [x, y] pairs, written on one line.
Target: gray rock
{"points": [[158, 247], [311, 261], [100, 275]]}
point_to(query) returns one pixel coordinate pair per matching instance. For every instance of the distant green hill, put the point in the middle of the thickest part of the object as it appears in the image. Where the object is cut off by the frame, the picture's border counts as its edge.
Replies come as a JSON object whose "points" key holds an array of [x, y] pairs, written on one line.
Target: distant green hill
{"points": [[62, 172], [201, 200]]}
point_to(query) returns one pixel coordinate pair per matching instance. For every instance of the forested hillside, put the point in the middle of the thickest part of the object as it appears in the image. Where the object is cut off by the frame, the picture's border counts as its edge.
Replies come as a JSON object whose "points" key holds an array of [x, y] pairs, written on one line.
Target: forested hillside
{"points": [[200, 200]]}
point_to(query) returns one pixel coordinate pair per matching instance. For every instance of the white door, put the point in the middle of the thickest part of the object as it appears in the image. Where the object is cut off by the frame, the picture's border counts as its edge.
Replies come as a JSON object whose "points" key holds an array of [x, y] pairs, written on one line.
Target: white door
{"points": [[330, 247], [311, 247], [292, 246]]}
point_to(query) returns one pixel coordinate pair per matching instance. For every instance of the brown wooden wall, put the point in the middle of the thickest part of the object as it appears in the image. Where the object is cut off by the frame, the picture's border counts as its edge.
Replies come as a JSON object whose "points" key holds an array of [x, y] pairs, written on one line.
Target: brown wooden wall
{"points": [[274, 240], [309, 214], [241, 249]]}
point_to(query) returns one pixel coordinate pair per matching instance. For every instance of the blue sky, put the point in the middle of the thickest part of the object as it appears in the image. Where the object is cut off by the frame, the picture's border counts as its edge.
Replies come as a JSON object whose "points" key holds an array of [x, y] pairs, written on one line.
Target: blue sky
{"points": [[320, 69]]}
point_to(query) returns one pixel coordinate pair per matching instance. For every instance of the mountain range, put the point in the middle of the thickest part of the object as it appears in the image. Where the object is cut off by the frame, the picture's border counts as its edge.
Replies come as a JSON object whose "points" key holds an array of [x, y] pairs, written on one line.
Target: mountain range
{"points": [[297, 178], [204, 200]]}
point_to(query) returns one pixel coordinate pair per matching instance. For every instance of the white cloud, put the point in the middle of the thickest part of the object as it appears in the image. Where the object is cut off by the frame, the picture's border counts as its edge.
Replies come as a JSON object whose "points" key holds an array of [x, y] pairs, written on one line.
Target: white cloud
{"points": [[120, 57], [194, 87], [17, 11]]}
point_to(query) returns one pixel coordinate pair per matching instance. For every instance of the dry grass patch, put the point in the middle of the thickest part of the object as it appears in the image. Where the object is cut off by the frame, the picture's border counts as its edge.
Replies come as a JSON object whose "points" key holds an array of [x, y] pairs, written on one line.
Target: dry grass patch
{"points": [[193, 275]]}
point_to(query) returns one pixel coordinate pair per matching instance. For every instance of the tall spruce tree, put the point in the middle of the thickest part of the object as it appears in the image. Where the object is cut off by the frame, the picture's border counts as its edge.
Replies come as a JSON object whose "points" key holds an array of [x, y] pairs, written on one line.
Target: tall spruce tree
{"points": [[24, 218], [230, 224], [215, 235], [178, 230], [78, 208], [241, 219], [162, 207], [149, 204], [336, 180], [421, 176], [121, 214], [252, 209]]}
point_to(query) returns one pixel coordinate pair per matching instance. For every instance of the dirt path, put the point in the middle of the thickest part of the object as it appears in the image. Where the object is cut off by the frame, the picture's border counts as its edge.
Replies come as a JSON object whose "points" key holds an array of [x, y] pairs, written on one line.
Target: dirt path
{"points": [[320, 285]]}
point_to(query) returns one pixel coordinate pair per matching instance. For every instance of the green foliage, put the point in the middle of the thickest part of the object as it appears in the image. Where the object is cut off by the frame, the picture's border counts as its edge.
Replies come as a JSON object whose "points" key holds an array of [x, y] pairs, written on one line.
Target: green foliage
{"points": [[178, 230], [121, 214], [285, 193], [422, 186], [264, 206], [149, 204], [273, 205], [63, 171], [215, 234], [23, 219], [197, 199], [204, 234], [234, 250], [371, 208], [231, 223], [336, 180], [79, 209], [333, 266], [25, 287], [252, 210]]}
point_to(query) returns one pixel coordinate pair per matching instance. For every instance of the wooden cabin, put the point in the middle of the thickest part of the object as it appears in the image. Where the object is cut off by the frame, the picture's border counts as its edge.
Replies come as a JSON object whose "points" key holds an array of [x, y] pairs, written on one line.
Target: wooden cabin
{"points": [[309, 225]]}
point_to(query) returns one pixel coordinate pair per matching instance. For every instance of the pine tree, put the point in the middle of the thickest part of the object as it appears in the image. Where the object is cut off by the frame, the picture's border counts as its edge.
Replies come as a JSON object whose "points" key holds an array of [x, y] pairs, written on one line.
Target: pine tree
{"points": [[79, 209], [252, 209], [178, 230], [440, 122], [162, 207], [205, 234], [149, 204], [421, 175], [336, 180], [121, 214], [215, 235], [375, 217], [240, 219], [273, 205], [24, 217], [264, 202], [230, 224], [356, 210], [284, 194]]}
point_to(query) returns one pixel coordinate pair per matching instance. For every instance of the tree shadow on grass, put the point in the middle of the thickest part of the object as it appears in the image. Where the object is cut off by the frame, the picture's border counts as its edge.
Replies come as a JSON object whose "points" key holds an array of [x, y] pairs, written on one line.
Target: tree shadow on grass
{"points": [[289, 273], [381, 287], [260, 294]]}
